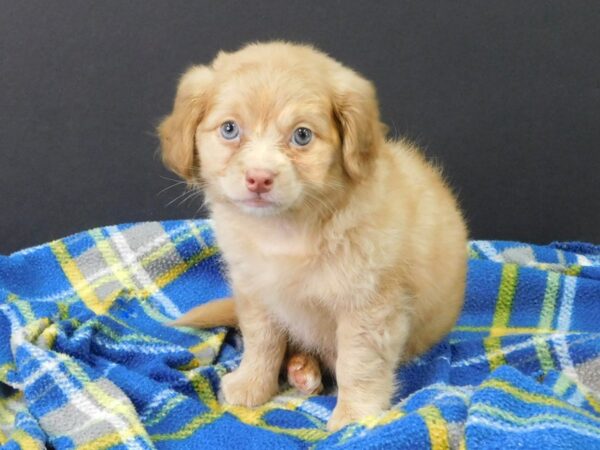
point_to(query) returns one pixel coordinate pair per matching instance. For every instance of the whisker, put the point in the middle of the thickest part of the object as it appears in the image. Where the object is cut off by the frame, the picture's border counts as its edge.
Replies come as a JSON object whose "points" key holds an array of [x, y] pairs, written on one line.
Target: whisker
{"points": [[183, 194], [173, 179], [191, 195], [169, 187]]}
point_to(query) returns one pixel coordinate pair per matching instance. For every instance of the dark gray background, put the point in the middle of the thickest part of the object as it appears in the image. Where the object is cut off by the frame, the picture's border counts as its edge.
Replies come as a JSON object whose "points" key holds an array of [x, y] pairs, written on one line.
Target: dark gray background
{"points": [[506, 95]]}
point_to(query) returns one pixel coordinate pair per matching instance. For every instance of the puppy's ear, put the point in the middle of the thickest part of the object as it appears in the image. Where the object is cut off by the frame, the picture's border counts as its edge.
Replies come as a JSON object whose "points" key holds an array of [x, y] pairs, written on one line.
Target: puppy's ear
{"points": [[177, 131], [357, 113]]}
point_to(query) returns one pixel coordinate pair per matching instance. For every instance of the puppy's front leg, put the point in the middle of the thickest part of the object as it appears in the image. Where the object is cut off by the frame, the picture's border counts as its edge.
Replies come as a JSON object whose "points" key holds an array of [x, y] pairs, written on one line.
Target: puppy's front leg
{"points": [[369, 346], [255, 381]]}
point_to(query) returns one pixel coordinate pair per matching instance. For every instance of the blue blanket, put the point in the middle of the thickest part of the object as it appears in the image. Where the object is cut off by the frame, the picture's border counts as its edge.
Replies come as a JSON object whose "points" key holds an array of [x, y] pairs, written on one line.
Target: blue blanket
{"points": [[86, 359]]}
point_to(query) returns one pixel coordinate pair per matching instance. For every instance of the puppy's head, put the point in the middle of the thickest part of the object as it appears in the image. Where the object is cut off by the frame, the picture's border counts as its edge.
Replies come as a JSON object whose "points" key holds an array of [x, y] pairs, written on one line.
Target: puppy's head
{"points": [[273, 127]]}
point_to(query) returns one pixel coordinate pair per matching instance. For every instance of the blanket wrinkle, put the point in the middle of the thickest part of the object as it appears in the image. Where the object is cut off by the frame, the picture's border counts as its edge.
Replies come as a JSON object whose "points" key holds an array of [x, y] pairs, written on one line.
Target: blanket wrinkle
{"points": [[87, 359]]}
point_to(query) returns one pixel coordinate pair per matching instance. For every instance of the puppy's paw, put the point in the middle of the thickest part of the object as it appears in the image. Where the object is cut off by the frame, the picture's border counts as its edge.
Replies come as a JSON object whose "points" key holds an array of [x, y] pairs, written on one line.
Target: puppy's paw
{"points": [[304, 373], [244, 389], [340, 418], [345, 414]]}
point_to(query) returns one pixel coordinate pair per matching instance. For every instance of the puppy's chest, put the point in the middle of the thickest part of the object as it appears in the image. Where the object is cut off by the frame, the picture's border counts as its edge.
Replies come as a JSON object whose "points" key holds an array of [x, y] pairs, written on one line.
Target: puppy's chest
{"points": [[316, 279], [303, 286], [308, 324]]}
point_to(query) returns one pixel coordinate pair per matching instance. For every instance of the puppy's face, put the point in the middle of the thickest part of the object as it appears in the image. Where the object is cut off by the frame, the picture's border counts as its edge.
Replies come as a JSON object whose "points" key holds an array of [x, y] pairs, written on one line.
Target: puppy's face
{"points": [[272, 128], [269, 141]]}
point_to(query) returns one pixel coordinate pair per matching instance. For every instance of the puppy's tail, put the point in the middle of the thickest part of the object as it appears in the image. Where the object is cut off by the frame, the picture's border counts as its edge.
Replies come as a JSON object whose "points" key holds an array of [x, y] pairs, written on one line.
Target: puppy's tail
{"points": [[216, 313]]}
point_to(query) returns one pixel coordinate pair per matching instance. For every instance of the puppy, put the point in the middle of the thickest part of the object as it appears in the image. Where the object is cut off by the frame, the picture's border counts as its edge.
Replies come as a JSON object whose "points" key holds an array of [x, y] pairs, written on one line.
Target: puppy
{"points": [[347, 245]]}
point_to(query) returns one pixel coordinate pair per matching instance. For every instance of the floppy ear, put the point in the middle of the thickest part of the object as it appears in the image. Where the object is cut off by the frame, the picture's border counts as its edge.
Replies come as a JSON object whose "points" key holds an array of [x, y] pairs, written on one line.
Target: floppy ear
{"points": [[357, 112], [177, 131]]}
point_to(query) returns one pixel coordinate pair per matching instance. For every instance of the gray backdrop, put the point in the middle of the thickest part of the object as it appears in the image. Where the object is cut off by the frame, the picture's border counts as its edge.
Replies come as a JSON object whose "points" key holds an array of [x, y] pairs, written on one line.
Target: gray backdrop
{"points": [[506, 95]]}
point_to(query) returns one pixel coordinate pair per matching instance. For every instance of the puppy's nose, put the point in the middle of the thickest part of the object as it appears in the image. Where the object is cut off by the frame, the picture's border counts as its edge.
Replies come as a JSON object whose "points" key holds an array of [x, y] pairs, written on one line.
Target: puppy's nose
{"points": [[259, 180]]}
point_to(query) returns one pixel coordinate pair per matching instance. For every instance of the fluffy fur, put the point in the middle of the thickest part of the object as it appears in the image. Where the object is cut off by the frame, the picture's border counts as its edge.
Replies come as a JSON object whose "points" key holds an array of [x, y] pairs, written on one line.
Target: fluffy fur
{"points": [[357, 254]]}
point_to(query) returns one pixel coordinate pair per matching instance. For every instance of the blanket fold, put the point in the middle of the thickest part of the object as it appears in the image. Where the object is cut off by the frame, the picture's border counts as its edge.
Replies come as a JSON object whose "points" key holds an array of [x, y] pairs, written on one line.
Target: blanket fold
{"points": [[87, 359]]}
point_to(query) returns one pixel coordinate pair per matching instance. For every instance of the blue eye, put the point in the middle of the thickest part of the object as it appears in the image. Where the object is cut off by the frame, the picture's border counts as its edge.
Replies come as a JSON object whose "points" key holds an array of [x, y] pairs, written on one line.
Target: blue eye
{"points": [[230, 130], [301, 136]]}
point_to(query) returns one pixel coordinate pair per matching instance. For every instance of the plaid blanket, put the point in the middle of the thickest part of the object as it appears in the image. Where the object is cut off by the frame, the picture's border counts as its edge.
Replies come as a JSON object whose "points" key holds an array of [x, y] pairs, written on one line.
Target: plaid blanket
{"points": [[86, 360]]}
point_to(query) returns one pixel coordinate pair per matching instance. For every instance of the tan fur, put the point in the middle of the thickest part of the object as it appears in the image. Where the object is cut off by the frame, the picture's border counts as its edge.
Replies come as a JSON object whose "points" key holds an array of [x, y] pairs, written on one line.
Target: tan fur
{"points": [[215, 313], [360, 256]]}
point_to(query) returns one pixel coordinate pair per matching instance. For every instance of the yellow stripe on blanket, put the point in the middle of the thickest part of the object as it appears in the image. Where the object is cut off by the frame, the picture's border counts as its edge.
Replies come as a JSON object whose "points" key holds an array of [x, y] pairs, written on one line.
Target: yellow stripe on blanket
{"points": [[531, 397], [538, 418], [508, 286], [437, 426], [25, 441], [113, 260], [110, 440], [84, 290], [182, 267]]}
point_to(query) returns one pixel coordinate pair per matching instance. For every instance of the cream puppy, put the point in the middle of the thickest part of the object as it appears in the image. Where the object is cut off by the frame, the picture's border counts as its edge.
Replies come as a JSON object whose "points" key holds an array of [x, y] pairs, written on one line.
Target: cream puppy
{"points": [[347, 245]]}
